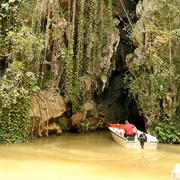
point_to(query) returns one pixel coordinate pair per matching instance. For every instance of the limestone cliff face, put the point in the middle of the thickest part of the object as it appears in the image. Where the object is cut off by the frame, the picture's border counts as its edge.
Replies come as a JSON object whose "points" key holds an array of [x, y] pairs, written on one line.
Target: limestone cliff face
{"points": [[143, 40], [107, 100]]}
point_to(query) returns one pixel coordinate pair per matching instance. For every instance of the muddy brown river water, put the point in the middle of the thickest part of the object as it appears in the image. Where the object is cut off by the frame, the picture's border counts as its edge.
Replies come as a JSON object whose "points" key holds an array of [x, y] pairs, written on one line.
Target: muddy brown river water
{"points": [[89, 156]]}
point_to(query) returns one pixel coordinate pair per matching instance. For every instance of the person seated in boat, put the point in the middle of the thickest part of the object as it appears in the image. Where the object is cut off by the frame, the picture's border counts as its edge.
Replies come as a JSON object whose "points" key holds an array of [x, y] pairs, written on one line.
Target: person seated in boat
{"points": [[129, 129], [142, 138]]}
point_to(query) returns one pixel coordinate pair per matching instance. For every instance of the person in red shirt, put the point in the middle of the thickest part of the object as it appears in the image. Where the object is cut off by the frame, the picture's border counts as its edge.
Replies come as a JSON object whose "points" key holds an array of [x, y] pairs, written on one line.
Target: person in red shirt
{"points": [[128, 129]]}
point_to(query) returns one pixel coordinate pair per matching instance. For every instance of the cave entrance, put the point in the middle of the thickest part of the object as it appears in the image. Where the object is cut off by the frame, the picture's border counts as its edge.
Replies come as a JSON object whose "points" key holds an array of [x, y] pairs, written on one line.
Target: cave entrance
{"points": [[135, 118]]}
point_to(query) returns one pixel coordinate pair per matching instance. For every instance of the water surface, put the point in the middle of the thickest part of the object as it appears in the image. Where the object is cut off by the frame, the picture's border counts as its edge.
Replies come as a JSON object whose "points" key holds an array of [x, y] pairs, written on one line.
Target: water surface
{"points": [[90, 156]]}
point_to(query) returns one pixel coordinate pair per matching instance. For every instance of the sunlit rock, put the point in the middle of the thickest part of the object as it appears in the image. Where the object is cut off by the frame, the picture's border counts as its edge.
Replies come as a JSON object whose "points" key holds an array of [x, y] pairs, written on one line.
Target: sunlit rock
{"points": [[78, 118], [46, 106]]}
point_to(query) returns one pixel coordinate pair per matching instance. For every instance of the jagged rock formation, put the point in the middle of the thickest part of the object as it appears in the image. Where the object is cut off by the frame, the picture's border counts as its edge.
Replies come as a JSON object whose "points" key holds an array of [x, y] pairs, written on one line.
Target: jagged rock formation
{"points": [[46, 108], [142, 41]]}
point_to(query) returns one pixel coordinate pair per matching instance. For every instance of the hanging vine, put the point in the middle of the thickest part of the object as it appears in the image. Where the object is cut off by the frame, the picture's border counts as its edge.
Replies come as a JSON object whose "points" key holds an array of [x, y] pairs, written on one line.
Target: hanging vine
{"points": [[80, 41], [89, 40]]}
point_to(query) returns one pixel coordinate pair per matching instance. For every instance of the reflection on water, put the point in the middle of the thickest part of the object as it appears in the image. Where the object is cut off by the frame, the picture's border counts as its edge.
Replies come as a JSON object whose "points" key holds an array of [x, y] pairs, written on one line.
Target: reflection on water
{"points": [[90, 156]]}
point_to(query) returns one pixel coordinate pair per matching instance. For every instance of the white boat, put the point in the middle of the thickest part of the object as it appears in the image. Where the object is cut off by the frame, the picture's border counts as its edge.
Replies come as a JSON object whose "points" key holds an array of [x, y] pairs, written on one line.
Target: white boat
{"points": [[117, 132]]}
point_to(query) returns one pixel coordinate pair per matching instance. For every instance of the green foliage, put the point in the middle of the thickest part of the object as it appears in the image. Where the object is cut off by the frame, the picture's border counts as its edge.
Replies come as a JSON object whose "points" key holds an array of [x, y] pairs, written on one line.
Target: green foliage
{"points": [[61, 124], [24, 46], [14, 122], [110, 14], [20, 48], [82, 127], [16, 89], [69, 66], [20, 42], [167, 130], [80, 42]]}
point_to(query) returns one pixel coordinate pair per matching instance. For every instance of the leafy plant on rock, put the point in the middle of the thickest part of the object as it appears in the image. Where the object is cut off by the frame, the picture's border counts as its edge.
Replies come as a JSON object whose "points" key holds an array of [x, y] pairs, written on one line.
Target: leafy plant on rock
{"points": [[154, 79], [16, 89]]}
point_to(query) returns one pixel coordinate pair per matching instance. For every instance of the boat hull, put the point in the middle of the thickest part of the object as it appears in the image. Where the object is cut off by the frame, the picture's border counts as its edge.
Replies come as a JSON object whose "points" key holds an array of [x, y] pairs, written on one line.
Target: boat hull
{"points": [[150, 144]]}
